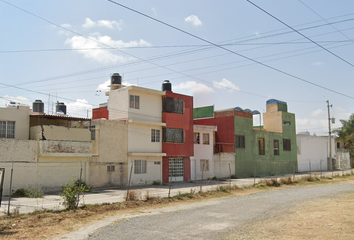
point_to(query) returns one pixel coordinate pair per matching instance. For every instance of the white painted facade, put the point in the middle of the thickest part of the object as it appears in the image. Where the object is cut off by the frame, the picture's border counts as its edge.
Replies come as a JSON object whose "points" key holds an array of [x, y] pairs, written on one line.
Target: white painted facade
{"points": [[141, 121], [203, 153], [224, 164], [313, 152]]}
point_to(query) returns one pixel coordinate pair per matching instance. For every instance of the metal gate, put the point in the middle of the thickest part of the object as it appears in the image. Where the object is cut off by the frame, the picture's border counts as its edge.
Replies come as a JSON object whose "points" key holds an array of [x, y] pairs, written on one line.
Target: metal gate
{"points": [[176, 169]]}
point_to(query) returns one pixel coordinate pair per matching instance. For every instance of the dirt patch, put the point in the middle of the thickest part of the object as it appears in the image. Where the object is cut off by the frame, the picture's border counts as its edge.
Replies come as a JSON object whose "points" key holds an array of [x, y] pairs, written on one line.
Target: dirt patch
{"points": [[46, 225]]}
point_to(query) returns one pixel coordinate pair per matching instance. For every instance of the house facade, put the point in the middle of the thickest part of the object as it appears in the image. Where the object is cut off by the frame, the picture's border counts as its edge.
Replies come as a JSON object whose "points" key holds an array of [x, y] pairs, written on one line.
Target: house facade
{"points": [[267, 150]]}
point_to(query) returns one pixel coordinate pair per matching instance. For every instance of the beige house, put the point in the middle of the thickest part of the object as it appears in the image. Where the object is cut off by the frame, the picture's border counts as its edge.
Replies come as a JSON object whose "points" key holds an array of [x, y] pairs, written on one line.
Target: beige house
{"points": [[44, 151], [141, 110]]}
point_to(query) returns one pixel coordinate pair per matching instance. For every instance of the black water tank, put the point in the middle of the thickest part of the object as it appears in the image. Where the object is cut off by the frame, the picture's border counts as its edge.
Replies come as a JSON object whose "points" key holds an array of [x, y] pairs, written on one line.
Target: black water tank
{"points": [[166, 86], [60, 107], [38, 106], [116, 79]]}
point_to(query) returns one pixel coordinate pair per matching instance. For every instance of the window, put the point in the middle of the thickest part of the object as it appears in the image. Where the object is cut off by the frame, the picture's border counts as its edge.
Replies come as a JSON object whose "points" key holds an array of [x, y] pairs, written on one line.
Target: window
{"points": [[7, 129], [134, 101], [338, 145], [276, 147], [157, 163], [206, 138], [110, 168], [93, 133], [287, 123], [204, 165], [261, 147], [172, 105], [172, 135], [240, 141], [139, 166], [196, 138], [286, 145], [155, 135]]}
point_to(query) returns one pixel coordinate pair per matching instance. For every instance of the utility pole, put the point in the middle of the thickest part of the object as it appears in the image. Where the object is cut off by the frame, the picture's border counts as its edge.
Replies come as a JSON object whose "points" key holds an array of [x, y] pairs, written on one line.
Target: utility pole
{"points": [[330, 137]]}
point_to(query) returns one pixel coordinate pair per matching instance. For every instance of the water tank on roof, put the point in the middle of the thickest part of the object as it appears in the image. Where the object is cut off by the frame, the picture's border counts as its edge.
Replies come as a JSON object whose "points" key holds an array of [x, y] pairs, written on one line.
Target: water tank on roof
{"points": [[166, 86], [116, 79], [38, 106], [60, 107]]}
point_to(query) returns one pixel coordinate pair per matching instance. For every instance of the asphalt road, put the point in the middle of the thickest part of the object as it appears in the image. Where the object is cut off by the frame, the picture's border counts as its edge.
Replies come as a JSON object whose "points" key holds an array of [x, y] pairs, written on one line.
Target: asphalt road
{"points": [[207, 220]]}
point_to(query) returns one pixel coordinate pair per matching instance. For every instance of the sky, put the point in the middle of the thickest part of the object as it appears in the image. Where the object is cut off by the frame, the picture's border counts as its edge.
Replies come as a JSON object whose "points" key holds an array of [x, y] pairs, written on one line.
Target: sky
{"points": [[224, 53]]}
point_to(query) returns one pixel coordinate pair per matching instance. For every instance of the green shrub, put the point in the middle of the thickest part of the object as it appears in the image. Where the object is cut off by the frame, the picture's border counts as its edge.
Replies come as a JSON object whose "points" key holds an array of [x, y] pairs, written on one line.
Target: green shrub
{"points": [[30, 193], [156, 182], [72, 191]]}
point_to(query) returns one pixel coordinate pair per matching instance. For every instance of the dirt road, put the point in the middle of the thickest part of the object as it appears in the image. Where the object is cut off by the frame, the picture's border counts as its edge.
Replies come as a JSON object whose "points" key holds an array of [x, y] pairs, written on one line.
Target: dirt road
{"points": [[319, 212]]}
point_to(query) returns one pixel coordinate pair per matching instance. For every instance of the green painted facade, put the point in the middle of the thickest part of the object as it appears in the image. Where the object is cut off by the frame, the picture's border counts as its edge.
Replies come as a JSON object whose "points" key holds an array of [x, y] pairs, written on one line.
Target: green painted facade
{"points": [[248, 160], [203, 112]]}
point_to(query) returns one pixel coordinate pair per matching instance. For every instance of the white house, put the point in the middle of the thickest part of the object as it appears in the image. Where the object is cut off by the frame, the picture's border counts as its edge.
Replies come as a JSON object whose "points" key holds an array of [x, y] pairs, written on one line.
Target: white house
{"points": [[202, 164], [141, 109]]}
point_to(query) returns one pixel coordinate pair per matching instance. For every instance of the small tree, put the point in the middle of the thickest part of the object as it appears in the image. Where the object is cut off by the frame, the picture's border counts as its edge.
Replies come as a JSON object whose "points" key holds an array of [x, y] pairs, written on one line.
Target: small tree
{"points": [[72, 192], [346, 133]]}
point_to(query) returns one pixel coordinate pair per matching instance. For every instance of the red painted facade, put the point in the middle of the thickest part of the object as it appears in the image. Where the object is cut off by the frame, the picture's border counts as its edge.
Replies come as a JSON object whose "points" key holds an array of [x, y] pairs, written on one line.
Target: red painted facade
{"points": [[179, 150], [98, 113], [224, 137]]}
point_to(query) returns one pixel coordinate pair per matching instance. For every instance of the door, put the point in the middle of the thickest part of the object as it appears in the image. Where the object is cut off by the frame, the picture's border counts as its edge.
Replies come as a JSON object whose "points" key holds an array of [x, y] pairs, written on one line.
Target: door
{"points": [[176, 169]]}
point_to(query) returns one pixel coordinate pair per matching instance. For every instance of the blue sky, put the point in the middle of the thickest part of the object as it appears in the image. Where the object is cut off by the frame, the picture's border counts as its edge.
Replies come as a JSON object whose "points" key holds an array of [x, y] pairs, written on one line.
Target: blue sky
{"points": [[49, 50]]}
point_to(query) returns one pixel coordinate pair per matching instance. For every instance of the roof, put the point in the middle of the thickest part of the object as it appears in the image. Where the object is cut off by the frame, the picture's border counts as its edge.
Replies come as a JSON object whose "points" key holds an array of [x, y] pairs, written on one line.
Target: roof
{"points": [[64, 117]]}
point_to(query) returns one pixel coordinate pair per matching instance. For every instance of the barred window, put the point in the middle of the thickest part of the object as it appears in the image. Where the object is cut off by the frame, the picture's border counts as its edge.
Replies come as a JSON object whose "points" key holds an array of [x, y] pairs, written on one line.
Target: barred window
{"points": [[276, 147], [240, 141], [206, 138], [286, 145], [261, 146], [111, 168], [93, 133], [172, 135], [134, 102], [139, 166], [155, 135], [7, 129], [172, 105]]}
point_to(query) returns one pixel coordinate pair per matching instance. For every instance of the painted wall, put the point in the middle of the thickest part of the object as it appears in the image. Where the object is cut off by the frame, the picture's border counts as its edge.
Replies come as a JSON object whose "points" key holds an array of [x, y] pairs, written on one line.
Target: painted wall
{"points": [[153, 171], [222, 164], [21, 117], [139, 139], [314, 150], [101, 112], [12, 150], [204, 151], [110, 148], [118, 104], [60, 133]]}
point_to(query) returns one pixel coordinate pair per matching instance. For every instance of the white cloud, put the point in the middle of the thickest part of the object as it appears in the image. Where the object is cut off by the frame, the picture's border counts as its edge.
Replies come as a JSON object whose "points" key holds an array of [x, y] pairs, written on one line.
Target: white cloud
{"points": [[102, 55], [19, 99], [103, 23], [318, 63], [257, 33], [226, 84], [154, 11], [78, 108], [193, 87], [194, 20], [317, 113]]}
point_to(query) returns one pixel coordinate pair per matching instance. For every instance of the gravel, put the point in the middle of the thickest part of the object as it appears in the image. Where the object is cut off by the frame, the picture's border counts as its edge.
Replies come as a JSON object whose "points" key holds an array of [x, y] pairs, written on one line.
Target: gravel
{"points": [[211, 219]]}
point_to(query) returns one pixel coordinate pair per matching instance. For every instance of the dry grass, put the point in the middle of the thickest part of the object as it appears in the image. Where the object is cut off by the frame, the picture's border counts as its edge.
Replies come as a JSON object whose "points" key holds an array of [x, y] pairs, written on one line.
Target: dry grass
{"points": [[133, 195], [46, 225]]}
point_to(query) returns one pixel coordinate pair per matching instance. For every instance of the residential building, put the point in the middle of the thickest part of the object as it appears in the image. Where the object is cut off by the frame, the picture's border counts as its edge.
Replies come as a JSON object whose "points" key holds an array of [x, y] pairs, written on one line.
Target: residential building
{"points": [[266, 150]]}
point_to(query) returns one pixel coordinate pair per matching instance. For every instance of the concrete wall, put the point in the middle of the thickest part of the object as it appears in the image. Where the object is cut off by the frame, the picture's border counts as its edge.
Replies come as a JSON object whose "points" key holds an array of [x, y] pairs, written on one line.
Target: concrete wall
{"points": [[110, 148], [118, 104], [64, 149], [139, 139], [21, 117], [153, 171], [12, 150], [60, 133], [221, 165], [313, 150], [273, 121]]}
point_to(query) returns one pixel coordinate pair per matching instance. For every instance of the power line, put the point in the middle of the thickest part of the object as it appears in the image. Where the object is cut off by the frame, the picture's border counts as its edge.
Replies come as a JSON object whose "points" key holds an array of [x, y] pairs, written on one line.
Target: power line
{"points": [[228, 50], [300, 33]]}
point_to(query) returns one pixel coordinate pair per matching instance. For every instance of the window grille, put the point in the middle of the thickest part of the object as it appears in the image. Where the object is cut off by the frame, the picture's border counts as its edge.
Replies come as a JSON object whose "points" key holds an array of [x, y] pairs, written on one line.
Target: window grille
{"points": [[155, 135], [176, 167], [240, 141], [7, 129], [276, 147], [261, 146], [134, 102], [196, 138], [205, 163], [172, 105], [206, 138], [173, 135], [139, 166], [286, 144]]}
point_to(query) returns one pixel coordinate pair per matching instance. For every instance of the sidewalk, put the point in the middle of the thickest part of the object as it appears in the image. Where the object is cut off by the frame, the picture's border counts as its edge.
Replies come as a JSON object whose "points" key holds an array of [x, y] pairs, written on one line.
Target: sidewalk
{"points": [[111, 195]]}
